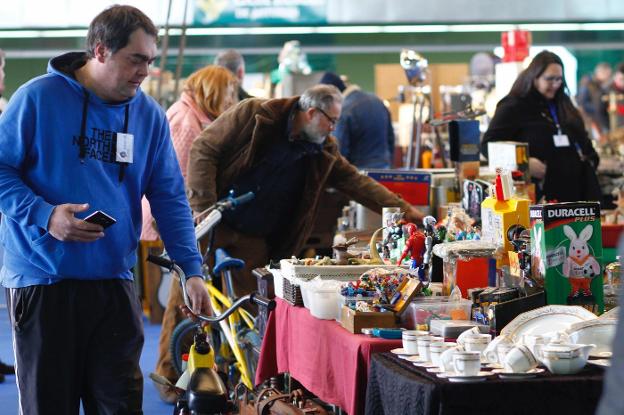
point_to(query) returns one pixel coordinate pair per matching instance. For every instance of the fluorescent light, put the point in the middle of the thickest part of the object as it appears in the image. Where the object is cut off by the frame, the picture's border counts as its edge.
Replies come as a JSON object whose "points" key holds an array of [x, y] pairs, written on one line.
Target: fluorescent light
{"points": [[338, 29]]}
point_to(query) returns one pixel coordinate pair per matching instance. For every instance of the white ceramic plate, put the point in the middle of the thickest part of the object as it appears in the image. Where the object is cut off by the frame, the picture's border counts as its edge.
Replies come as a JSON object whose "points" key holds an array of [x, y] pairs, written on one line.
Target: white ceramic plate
{"points": [[600, 362], [544, 320], [463, 378], [434, 370], [598, 331], [402, 352], [503, 374]]}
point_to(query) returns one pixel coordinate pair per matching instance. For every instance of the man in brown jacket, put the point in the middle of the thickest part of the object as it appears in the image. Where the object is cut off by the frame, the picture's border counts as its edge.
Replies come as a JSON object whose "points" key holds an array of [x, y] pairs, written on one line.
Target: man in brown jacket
{"points": [[282, 150]]}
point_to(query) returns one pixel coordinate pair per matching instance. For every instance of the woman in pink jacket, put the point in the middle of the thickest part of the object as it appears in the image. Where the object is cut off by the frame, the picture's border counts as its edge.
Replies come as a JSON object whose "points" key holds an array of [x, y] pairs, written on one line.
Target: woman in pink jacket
{"points": [[208, 92]]}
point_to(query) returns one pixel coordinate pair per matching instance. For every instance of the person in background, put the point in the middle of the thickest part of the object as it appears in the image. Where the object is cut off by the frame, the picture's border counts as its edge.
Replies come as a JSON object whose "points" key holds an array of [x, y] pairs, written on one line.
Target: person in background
{"points": [[364, 131], [592, 97], [79, 139], [617, 87], [234, 62], [538, 111], [208, 93]]}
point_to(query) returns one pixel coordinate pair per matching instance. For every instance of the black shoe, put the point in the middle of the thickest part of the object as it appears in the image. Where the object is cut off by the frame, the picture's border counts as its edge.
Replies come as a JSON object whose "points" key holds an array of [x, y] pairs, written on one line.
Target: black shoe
{"points": [[6, 369]]}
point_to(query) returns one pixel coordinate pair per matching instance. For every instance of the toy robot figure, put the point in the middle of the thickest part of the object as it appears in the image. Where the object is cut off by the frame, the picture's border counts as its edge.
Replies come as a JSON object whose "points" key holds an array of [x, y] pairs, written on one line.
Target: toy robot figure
{"points": [[395, 232]]}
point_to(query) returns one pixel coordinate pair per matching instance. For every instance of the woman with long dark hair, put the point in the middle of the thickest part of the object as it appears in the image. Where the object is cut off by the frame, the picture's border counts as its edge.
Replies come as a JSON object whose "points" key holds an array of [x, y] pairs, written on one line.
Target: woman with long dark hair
{"points": [[538, 111]]}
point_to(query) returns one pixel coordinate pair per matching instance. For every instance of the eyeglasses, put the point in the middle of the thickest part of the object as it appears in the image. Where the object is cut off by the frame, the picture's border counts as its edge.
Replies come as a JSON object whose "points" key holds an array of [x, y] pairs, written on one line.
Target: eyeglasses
{"points": [[552, 79], [332, 120]]}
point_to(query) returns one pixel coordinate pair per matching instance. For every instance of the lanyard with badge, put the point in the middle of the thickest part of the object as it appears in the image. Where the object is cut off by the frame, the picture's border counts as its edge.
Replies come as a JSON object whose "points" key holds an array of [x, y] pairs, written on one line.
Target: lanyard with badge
{"points": [[123, 142], [559, 139]]}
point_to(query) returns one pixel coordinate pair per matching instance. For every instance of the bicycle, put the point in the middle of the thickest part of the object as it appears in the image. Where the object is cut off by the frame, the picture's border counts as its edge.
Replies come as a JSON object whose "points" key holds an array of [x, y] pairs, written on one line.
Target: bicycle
{"points": [[202, 391], [236, 341]]}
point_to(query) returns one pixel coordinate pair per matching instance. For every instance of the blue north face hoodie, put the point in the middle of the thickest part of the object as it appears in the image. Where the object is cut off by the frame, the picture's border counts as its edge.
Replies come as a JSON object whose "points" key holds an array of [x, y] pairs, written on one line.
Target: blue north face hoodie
{"points": [[42, 165]]}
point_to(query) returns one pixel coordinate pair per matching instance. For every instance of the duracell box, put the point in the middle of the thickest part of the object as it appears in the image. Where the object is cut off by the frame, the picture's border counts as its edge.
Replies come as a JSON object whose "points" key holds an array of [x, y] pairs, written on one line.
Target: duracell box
{"points": [[566, 251]]}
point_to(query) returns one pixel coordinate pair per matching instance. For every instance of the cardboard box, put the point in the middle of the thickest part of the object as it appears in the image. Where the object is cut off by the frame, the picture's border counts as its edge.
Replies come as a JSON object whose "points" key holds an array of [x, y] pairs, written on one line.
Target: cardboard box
{"points": [[510, 155], [566, 245], [355, 321]]}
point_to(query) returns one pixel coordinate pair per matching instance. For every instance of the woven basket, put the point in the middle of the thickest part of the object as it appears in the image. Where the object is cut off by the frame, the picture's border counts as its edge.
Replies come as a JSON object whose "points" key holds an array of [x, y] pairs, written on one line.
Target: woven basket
{"points": [[327, 272]]}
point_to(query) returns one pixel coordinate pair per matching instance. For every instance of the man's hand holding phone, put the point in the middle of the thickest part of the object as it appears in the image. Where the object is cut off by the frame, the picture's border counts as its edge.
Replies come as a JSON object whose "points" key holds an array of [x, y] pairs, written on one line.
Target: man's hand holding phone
{"points": [[64, 226]]}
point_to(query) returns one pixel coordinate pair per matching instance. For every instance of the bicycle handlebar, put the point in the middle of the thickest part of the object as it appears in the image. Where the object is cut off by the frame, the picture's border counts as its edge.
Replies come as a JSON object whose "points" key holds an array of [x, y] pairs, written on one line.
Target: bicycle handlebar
{"points": [[253, 297], [213, 213]]}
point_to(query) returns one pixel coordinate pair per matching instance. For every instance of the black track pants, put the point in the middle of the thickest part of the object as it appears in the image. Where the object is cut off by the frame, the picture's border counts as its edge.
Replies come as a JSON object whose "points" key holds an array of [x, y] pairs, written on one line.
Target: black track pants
{"points": [[77, 340]]}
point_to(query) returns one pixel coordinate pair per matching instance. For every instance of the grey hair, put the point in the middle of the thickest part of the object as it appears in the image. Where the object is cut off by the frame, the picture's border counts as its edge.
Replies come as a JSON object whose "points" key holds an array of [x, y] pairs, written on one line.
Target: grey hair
{"points": [[321, 96], [230, 59]]}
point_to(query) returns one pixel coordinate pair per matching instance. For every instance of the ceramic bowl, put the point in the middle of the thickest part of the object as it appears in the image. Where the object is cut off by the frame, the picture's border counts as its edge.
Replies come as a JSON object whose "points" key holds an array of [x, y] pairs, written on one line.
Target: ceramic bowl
{"points": [[565, 359]]}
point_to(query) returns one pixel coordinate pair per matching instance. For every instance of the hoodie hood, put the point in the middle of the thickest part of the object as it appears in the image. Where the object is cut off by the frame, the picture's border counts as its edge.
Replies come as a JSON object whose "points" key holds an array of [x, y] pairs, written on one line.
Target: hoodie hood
{"points": [[66, 65]]}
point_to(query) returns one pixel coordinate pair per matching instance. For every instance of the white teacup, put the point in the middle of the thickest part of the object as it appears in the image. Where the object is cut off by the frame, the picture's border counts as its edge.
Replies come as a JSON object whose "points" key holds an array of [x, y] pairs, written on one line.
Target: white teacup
{"points": [[410, 340], [477, 342], [423, 346], [520, 359], [464, 334], [446, 359], [437, 348], [501, 352], [491, 352], [467, 363], [535, 343]]}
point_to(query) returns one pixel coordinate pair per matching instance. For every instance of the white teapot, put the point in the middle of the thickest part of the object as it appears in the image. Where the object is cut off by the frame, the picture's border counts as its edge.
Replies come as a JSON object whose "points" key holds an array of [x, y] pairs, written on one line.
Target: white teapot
{"points": [[565, 358]]}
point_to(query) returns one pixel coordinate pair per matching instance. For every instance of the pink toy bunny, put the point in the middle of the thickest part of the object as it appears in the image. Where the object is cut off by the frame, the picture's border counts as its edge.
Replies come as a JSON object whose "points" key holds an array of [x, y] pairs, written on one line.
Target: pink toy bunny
{"points": [[580, 266]]}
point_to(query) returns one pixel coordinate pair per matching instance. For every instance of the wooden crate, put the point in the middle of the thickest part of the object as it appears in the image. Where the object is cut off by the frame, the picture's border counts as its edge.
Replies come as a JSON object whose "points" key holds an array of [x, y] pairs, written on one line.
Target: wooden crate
{"points": [[355, 321]]}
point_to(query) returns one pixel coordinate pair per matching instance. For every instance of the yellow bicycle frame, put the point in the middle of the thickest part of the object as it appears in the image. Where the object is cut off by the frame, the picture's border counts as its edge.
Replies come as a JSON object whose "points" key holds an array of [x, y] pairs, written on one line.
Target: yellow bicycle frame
{"points": [[220, 302]]}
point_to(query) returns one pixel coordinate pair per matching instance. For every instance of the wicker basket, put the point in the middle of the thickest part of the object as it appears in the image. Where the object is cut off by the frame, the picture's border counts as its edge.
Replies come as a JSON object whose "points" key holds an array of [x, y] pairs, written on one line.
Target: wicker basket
{"points": [[327, 272]]}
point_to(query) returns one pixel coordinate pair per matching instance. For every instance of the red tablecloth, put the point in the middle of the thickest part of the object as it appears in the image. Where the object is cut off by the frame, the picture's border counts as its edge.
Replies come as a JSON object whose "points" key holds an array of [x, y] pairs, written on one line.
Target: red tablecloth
{"points": [[324, 357]]}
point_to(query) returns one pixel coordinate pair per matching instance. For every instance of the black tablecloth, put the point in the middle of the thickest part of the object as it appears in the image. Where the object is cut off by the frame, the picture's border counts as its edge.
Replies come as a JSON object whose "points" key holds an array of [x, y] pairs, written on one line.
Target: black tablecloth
{"points": [[395, 386]]}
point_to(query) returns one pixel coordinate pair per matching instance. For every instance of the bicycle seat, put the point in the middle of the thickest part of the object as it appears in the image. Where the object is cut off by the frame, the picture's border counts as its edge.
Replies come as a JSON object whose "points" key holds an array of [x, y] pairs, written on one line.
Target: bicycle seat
{"points": [[207, 392], [223, 261]]}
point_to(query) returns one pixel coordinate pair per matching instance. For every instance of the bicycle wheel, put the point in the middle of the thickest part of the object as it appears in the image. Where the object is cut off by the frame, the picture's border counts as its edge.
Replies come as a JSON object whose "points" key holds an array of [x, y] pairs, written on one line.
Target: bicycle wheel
{"points": [[182, 340]]}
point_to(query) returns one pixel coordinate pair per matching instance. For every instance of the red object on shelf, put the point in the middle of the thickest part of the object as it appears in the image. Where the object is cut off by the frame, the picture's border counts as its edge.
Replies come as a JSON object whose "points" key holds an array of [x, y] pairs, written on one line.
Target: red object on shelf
{"points": [[516, 44], [472, 274], [611, 235]]}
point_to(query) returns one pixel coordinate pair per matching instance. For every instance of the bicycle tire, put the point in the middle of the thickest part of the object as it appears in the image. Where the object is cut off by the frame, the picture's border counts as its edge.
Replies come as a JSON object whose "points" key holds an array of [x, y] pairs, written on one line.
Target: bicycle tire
{"points": [[182, 339]]}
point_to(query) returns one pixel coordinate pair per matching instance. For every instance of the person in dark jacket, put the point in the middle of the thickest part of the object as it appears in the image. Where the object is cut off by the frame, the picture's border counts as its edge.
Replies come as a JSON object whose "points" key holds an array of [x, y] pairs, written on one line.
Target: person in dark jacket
{"points": [[538, 111], [234, 62], [364, 130]]}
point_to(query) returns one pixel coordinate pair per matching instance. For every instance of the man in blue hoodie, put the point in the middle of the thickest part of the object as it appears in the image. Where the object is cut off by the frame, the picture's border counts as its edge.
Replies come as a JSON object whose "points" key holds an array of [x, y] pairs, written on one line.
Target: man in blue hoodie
{"points": [[83, 138]]}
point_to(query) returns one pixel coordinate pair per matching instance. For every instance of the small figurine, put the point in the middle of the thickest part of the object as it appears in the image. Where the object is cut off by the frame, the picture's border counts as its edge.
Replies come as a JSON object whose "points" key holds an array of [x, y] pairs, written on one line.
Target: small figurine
{"points": [[340, 251], [395, 232], [414, 246]]}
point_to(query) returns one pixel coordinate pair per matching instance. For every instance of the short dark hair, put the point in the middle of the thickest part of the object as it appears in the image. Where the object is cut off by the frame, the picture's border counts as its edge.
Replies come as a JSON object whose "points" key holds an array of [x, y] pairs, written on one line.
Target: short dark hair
{"points": [[114, 26]]}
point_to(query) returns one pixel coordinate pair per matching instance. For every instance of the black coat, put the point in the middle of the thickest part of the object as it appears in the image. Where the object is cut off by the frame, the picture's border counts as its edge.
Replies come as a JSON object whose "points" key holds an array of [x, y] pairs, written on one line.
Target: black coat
{"points": [[528, 120]]}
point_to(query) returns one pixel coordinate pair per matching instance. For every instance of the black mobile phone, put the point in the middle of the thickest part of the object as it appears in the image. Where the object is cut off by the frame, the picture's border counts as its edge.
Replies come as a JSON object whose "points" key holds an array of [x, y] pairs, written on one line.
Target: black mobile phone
{"points": [[100, 218]]}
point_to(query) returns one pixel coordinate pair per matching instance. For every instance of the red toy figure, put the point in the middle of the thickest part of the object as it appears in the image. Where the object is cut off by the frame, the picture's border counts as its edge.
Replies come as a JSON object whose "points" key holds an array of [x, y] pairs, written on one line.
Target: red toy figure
{"points": [[415, 246]]}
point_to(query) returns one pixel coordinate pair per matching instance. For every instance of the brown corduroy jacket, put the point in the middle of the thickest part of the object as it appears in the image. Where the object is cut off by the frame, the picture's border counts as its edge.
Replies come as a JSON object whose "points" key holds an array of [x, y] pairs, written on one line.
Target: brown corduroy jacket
{"points": [[239, 138]]}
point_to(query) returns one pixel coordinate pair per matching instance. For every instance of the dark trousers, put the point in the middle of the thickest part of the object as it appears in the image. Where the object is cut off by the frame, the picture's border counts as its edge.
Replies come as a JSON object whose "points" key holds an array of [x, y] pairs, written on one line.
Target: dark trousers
{"points": [[77, 340]]}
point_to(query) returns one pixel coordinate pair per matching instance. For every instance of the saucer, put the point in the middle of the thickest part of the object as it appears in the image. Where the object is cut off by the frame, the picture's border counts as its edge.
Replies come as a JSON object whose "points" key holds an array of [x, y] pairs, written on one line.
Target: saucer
{"points": [[503, 374], [435, 370], [414, 359], [494, 366], [481, 376], [426, 365], [600, 362], [402, 352]]}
